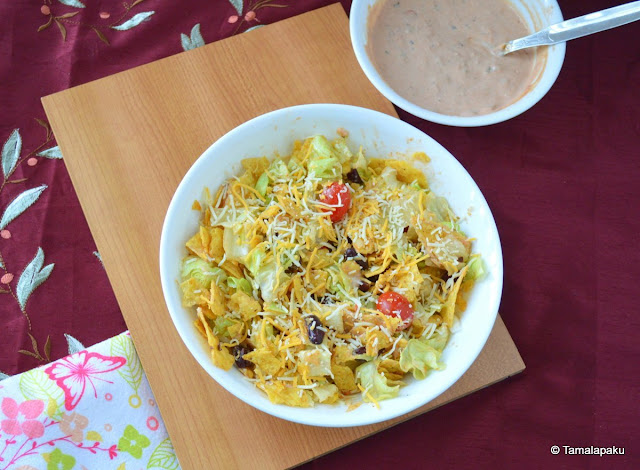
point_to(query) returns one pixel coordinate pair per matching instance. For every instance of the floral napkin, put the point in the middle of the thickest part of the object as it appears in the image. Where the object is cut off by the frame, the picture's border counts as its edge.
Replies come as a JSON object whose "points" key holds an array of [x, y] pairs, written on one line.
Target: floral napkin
{"points": [[90, 410]]}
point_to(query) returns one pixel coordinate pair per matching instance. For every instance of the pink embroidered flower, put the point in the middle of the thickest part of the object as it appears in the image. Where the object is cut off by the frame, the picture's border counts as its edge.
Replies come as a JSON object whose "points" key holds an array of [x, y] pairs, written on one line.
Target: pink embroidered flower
{"points": [[73, 372], [73, 425], [33, 161], [250, 16], [233, 19], [45, 10], [6, 234], [6, 278], [22, 417], [105, 15]]}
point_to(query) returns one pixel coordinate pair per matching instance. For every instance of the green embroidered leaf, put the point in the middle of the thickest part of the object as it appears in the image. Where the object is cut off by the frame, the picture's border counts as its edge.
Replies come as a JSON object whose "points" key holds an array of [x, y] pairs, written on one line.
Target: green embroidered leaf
{"points": [[4, 376], [131, 372], [164, 457], [72, 3], [194, 41], [53, 152], [47, 349], [63, 30], [196, 37], [42, 27], [74, 345], [100, 35], [99, 256], [134, 21], [186, 42], [11, 152], [52, 407], [94, 436], [32, 276], [238, 5], [20, 204], [36, 385], [254, 27]]}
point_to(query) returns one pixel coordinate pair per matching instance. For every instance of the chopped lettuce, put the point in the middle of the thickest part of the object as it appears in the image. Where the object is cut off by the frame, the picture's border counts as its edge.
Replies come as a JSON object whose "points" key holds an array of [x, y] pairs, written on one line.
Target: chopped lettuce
{"points": [[477, 269], [389, 176], [265, 272], [360, 164], [236, 247], [294, 165], [266, 280], [240, 284], [439, 207], [374, 382], [319, 148], [262, 184], [254, 259], [324, 168], [334, 318], [321, 162], [453, 225], [278, 169], [221, 327], [339, 282], [203, 272], [343, 153], [274, 307], [439, 338], [419, 357], [327, 393], [316, 361], [341, 150]]}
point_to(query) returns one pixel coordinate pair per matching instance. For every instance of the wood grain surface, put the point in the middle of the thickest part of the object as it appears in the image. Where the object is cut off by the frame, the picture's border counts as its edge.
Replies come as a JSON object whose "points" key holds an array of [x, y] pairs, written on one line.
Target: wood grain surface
{"points": [[128, 139]]}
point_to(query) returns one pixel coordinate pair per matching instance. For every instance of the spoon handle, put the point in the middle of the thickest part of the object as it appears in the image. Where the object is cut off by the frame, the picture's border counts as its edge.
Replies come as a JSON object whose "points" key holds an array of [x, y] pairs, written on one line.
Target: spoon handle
{"points": [[578, 27]]}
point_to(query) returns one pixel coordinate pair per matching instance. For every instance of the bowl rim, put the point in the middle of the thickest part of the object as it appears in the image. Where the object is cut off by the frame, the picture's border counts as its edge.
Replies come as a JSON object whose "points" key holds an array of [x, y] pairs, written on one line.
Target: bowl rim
{"points": [[287, 412], [555, 60]]}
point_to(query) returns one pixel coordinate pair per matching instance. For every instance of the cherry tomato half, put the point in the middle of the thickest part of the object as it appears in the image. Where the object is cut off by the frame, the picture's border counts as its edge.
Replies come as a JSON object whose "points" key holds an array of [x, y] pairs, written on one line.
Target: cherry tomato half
{"points": [[396, 305], [338, 195]]}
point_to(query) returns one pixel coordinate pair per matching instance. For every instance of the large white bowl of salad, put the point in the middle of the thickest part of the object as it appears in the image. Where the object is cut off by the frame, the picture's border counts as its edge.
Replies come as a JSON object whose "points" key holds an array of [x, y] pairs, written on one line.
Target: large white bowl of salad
{"points": [[331, 265]]}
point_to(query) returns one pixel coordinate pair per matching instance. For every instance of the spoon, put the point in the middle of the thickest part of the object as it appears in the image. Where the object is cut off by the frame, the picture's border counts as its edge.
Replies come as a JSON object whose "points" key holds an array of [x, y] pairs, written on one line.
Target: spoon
{"points": [[576, 28]]}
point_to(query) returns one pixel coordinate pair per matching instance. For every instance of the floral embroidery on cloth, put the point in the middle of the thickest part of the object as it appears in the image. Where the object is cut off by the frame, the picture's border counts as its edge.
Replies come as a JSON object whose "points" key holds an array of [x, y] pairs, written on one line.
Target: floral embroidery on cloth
{"points": [[91, 409]]}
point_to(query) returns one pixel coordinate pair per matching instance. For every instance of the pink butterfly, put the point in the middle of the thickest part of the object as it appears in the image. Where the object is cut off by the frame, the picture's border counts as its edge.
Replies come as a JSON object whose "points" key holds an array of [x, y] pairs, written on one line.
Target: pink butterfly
{"points": [[73, 372]]}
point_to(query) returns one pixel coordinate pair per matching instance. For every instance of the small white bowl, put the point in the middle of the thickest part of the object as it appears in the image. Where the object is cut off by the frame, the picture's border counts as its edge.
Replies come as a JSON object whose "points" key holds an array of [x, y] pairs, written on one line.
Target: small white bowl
{"points": [[538, 14], [382, 136]]}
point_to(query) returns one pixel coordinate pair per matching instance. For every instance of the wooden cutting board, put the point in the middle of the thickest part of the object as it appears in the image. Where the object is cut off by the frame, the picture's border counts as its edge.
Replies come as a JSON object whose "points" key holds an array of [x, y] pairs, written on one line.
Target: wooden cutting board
{"points": [[128, 139]]}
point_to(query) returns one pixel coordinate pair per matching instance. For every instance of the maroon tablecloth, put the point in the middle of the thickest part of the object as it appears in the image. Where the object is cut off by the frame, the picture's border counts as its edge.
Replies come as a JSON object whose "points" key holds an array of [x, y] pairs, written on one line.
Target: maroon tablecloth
{"points": [[563, 181]]}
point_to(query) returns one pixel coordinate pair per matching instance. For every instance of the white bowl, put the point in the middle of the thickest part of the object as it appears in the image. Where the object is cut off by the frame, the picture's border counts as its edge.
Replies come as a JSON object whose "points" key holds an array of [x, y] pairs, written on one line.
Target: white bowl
{"points": [[381, 135], [538, 14]]}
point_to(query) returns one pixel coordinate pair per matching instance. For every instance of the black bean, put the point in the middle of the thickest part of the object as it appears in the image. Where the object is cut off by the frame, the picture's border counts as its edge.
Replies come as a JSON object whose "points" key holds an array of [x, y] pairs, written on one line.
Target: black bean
{"points": [[324, 299], [374, 278], [238, 353], [361, 350], [364, 286], [316, 335], [354, 176], [350, 252], [363, 263], [406, 229]]}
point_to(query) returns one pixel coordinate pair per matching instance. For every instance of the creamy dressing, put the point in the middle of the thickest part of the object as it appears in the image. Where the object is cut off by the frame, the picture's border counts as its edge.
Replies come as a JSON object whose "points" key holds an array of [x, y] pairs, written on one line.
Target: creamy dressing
{"points": [[437, 53]]}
